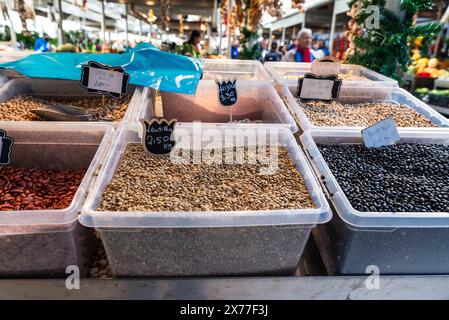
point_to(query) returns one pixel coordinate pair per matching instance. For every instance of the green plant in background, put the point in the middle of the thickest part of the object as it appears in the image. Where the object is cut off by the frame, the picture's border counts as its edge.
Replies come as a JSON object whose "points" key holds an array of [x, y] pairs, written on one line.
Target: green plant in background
{"points": [[387, 49], [27, 39], [5, 34], [251, 50]]}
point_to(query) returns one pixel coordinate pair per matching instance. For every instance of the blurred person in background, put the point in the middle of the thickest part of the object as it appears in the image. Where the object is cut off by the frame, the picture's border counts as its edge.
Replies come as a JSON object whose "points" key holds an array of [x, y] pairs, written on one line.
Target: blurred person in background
{"points": [[235, 50], [273, 54], [263, 48], [190, 48], [42, 44], [98, 45], [292, 45], [282, 51], [321, 50], [303, 51]]}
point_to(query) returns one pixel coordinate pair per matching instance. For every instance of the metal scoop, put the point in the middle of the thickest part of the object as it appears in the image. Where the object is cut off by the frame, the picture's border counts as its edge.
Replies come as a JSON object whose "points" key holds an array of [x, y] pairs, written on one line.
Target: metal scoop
{"points": [[64, 112]]}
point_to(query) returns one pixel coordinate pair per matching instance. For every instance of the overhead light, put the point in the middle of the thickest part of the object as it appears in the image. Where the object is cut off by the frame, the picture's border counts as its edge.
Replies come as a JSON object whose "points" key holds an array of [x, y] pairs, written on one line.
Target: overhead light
{"points": [[150, 3], [167, 29]]}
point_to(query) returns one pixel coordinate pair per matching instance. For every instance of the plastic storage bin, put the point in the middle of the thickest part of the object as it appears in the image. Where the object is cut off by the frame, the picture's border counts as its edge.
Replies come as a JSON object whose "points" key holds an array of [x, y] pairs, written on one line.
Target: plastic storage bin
{"points": [[354, 95], [45, 242], [396, 243], [257, 101], [71, 90], [203, 243], [287, 73], [225, 69]]}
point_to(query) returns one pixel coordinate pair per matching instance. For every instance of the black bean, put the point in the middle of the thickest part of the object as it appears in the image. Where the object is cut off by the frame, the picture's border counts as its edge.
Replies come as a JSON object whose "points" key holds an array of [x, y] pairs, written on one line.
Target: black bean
{"points": [[400, 178]]}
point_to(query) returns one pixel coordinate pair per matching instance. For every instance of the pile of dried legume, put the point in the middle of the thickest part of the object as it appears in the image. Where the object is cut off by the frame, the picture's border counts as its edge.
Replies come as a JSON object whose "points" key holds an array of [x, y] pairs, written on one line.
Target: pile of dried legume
{"points": [[361, 114], [403, 177], [19, 108], [144, 182], [36, 189]]}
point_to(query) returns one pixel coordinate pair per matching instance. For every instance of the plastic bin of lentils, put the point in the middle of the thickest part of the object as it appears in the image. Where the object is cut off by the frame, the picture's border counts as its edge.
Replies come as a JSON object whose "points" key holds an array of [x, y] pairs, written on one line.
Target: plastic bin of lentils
{"points": [[257, 103], [42, 190], [354, 109], [392, 203], [36, 99], [160, 217]]}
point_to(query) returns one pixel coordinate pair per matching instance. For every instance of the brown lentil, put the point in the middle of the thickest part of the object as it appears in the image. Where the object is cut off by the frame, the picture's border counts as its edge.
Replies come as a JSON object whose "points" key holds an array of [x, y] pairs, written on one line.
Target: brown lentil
{"points": [[361, 114], [19, 108], [36, 189], [145, 182]]}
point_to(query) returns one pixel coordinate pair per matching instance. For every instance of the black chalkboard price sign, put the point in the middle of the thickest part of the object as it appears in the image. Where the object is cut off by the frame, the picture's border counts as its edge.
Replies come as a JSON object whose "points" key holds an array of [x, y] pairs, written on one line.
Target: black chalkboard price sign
{"points": [[6, 144], [157, 136], [102, 79], [227, 93]]}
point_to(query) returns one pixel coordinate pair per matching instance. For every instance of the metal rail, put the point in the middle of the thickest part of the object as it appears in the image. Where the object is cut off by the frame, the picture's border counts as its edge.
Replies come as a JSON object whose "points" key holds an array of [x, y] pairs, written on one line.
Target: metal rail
{"points": [[340, 288]]}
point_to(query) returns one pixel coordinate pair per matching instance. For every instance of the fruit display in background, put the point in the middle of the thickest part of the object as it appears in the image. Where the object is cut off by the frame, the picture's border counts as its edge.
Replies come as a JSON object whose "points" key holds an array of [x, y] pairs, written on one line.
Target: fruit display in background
{"points": [[428, 68]]}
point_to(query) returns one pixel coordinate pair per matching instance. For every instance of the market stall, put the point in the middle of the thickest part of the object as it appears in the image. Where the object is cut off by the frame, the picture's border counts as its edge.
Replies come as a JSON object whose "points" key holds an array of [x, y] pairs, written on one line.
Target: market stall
{"points": [[127, 173]]}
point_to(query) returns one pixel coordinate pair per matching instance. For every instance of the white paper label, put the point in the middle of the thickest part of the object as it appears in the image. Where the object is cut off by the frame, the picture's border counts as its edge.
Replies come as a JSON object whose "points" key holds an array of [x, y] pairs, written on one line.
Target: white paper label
{"points": [[105, 80], [316, 89], [382, 133], [325, 68]]}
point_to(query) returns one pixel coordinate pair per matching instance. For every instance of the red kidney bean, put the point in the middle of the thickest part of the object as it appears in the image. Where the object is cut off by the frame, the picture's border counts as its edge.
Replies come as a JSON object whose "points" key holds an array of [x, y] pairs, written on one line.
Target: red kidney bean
{"points": [[36, 189]]}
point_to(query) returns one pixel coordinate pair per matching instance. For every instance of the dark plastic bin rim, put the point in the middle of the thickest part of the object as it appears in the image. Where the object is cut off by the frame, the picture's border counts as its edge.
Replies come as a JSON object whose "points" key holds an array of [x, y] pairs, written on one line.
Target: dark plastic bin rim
{"points": [[374, 221]]}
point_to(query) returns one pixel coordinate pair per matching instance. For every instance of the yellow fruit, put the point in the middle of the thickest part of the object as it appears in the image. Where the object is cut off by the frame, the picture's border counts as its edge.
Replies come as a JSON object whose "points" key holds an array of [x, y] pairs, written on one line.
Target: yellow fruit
{"points": [[423, 61], [418, 41], [433, 63], [420, 69]]}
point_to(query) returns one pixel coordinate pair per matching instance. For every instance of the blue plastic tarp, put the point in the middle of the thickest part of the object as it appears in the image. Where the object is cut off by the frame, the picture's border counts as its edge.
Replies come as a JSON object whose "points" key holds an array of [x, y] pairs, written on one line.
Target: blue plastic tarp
{"points": [[146, 65]]}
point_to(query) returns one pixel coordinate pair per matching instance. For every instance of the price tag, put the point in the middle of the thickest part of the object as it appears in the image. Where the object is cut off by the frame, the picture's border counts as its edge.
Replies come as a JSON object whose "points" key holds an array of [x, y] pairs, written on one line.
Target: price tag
{"points": [[380, 134], [6, 144], [313, 87], [157, 136], [227, 93], [102, 79]]}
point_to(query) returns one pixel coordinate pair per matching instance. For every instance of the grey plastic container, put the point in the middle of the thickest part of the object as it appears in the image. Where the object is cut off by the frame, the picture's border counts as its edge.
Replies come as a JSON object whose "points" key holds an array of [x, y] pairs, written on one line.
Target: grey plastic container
{"points": [[203, 243], [353, 95], [287, 73], [43, 243], [70, 90], [257, 101], [224, 69], [394, 242]]}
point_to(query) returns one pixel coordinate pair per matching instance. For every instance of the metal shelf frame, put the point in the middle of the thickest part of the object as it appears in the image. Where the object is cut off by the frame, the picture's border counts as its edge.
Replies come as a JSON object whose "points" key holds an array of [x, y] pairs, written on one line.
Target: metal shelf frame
{"points": [[262, 288]]}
